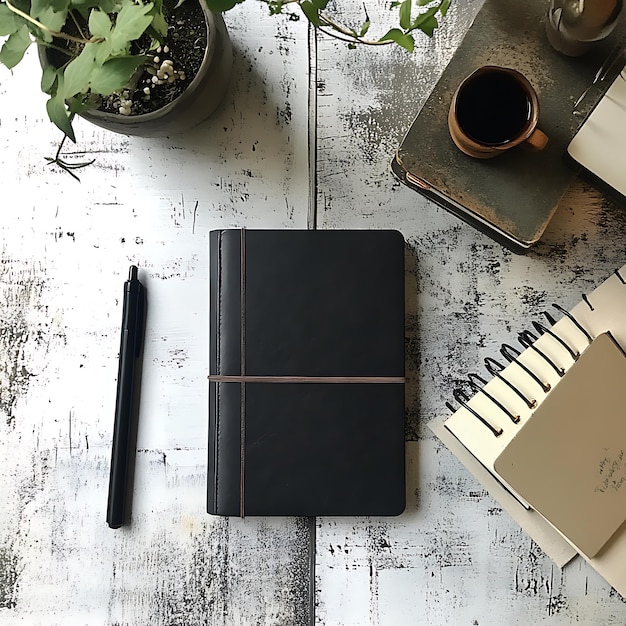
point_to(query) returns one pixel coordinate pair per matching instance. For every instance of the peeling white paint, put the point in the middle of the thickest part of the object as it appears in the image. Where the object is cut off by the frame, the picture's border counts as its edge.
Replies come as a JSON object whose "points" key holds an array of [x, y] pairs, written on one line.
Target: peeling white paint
{"points": [[453, 557]]}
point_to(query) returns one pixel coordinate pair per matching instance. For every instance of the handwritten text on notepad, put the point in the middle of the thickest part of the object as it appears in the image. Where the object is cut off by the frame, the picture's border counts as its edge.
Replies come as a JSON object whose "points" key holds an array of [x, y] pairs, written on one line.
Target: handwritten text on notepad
{"points": [[613, 472]]}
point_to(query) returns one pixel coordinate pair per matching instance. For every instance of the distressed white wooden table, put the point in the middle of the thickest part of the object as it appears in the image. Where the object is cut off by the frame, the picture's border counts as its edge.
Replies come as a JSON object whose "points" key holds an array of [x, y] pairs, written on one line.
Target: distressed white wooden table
{"points": [[289, 148]]}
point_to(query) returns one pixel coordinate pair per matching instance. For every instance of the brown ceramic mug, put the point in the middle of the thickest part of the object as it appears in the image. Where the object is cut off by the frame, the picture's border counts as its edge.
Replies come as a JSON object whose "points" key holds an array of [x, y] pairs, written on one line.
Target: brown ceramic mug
{"points": [[493, 110]]}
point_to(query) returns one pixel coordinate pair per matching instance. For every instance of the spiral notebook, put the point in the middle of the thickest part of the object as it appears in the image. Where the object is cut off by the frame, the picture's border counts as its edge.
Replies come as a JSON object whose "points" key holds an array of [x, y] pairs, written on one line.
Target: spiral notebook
{"points": [[496, 416]]}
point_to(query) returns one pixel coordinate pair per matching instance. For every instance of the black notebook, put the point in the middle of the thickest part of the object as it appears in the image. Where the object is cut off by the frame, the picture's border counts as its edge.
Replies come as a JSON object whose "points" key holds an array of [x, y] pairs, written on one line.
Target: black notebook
{"points": [[306, 373]]}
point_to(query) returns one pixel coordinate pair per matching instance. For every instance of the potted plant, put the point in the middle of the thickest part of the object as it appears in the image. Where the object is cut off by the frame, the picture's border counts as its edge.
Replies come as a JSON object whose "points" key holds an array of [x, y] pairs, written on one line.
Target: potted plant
{"points": [[140, 68], [155, 67]]}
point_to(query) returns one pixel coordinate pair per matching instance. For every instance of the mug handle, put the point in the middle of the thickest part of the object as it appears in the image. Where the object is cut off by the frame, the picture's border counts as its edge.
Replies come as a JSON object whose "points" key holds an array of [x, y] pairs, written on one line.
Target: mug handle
{"points": [[537, 141]]}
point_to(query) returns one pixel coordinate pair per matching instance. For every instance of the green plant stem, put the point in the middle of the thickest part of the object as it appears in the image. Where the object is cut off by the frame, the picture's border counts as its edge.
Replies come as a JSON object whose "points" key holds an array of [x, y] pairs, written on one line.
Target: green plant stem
{"points": [[334, 29], [43, 27], [80, 30], [343, 34], [60, 49], [64, 165]]}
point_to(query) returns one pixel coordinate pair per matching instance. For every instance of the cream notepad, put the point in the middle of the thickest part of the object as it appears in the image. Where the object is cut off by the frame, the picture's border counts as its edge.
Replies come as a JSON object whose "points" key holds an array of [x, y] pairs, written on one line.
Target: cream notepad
{"points": [[569, 459]]}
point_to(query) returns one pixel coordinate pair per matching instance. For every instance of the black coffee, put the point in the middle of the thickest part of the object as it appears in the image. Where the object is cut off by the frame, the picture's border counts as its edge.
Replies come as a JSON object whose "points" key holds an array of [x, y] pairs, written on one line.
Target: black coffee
{"points": [[493, 108]]}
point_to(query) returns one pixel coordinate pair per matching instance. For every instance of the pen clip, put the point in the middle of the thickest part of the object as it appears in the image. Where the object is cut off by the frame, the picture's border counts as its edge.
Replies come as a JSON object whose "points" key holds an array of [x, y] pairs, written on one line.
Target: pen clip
{"points": [[140, 323], [140, 314]]}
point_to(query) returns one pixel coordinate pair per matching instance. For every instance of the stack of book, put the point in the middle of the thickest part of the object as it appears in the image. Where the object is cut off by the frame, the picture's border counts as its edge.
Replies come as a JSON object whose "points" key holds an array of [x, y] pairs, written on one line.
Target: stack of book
{"points": [[511, 198]]}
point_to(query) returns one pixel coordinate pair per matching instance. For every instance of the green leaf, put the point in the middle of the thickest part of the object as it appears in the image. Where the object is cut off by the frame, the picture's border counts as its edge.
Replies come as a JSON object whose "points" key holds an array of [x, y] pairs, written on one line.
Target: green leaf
{"points": [[22, 5], [428, 26], [405, 14], [54, 20], [275, 7], [310, 12], [221, 6], [15, 46], [115, 74], [402, 39], [37, 7], [423, 3], [320, 5], [48, 79], [130, 24], [78, 72], [99, 23], [9, 22], [80, 104], [51, 13], [107, 6], [159, 24], [364, 28], [444, 6], [103, 51], [424, 17], [60, 116]]}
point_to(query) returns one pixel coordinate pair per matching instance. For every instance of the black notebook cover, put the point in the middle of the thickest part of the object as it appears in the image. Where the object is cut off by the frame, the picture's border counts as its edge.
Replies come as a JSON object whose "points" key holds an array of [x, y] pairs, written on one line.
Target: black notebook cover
{"points": [[306, 393]]}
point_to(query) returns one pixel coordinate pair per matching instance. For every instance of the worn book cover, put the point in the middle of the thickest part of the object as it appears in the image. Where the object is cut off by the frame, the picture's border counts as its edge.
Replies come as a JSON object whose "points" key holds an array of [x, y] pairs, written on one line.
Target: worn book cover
{"points": [[306, 373], [598, 146], [512, 197]]}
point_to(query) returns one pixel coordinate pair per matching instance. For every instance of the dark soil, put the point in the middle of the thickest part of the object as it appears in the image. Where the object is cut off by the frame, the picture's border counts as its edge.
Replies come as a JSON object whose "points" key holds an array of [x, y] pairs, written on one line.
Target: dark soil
{"points": [[186, 39], [184, 44]]}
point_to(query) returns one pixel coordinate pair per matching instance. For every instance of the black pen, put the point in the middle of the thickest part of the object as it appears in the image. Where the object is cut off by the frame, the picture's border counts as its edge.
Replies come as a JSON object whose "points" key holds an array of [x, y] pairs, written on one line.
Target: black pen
{"points": [[128, 377]]}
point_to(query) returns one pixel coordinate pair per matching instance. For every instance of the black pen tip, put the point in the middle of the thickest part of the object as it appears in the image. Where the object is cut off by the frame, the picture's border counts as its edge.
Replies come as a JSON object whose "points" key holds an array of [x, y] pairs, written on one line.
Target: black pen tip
{"points": [[132, 274]]}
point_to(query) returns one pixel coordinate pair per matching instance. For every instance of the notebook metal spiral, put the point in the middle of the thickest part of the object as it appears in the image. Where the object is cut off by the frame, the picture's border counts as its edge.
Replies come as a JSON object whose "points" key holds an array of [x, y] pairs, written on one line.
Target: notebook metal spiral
{"points": [[528, 341], [598, 319]]}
